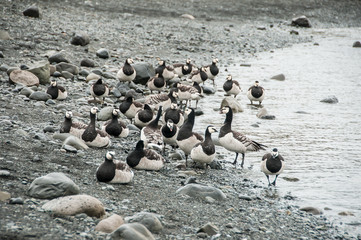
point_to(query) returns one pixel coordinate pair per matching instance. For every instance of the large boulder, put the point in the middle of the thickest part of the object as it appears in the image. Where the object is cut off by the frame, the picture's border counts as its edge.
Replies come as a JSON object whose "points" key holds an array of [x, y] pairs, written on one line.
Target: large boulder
{"points": [[109, 224], [202, 191], [132, 231], [51, 186], [149, 220], [23, 77], [144, 72], [76, 204], [233, 103], [42, 71], [60, 67]]}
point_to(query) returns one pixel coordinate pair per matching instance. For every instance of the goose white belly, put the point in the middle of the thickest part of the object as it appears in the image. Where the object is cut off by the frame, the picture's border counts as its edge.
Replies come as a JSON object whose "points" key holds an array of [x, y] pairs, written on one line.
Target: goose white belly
{"points": [[232, 144], [198, 155], [234, 90], [168, 74], [99, 142], [184, 95], [187, 144], [62, 95], [172, 140], [122, 176], [130, 113], [197, 78], [146, 164], [124, 133]]}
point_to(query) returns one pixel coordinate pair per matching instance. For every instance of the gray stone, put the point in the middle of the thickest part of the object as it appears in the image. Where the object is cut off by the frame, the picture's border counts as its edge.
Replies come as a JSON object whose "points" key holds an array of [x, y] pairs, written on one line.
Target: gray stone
{"points": [[105, 113], [209, 228], [103, 53], [244, 197], [313, 210], [279, 77], [42, 71], [4, 67], [86, 62], [109, 224], [49, 129], [144, 72], [208, 90], [108, 75], [17, 200], [301, 21], [23, 77], [233, 103], [32, 11], [56, 74], [330, 99], [81, 39], [57, 58], [132, 127], [26, 91], [97, 71], [50, 102], [215, 164], [84, 73], [1, 54], [4, 173], [116, 92], [92, 76], [149, 220], [69, 148], [4, 196], [202, 191], [53, 185], [132, 231], [40, 96], [60, 67], [263, 114], [4, 35], [67, 75], [357, 44]]}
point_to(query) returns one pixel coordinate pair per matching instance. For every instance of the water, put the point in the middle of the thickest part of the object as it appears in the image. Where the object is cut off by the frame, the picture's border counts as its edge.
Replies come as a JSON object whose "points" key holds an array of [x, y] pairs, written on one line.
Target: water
{"points": [[322, 146]]}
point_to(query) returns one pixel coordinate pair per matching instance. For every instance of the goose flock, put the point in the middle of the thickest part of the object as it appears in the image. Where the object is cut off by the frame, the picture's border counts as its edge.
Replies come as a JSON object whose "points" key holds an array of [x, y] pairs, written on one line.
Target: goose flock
{"points": [[166, 120]]}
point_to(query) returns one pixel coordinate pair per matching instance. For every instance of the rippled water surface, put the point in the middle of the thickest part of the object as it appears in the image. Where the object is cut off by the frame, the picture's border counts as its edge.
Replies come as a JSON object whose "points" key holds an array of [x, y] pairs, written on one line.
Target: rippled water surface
{"points": [[320, 142]]}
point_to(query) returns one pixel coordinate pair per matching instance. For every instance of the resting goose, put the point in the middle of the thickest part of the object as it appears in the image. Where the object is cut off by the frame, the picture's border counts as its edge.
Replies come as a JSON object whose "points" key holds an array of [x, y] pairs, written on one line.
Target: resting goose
{"points": [[145, 159], [187, 139], [151, 134], [166, 71], [199, 76], [115, 127], [231, 87], [127, 73], [56, 91], [212, 70], [256, 93], [174, 114], [156, 83], [162, 99], [143, 117], [75, 129], [169, 133], [235, 141], [129, 107], [272, 164], [205, 152], [99, 90], [92, 136], [111, 171]]}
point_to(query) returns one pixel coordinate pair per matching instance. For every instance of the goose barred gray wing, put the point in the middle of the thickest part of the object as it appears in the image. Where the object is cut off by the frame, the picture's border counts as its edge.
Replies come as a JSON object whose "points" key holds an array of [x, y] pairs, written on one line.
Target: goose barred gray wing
{"points": [[248, 143]]}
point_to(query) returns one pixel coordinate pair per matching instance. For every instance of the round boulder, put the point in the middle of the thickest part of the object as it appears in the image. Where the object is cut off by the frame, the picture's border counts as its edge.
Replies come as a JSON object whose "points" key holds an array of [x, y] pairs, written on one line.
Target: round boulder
{"points": [[42, 71], [81, 39], [301, 21], [23, 77], [132, 231], [232, 103], [32, 11], [109, 224], [144, 71], [149, 220], [103, 53]]}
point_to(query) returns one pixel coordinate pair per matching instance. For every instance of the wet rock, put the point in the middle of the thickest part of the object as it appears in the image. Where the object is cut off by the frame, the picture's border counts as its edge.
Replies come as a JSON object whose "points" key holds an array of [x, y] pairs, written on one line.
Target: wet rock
{"points": [[4, 173], [60, 67], [92, 76], [52, 185], [263, 114], [209, 228], [346, 213], [357, 44], [215, 164], [144, 72], [67, 75], [109, 224], [81, 39], [188, 16], [1, 54], [313, 210], [76, 204], [132, 231], [208, 90], [69, 148], [105, 113], [57, 58], [279, 77], [103, 53], [202, 191], [330, 99], [245, 197], [301, 21], [4, 35], [86, 62], [23, 77], [56, 74], [32, 11], [42, 71], [4, 196], [49, 129], [116, 92], [50, 102], [149, 220], [233, 103], [17, 200], [40, 96]]}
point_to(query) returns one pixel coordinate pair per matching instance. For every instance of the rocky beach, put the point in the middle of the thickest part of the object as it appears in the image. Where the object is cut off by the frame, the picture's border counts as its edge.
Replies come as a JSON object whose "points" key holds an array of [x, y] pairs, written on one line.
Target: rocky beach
{"points": [[74, 41]]}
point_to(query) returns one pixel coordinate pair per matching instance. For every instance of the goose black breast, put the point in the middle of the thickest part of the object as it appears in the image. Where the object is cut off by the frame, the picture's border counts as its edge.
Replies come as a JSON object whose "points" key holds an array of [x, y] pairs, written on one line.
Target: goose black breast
{"points": [[273, 164], [214, 69], [99, 89], [166, 132], [256, 92], [159, 82], [204, 75], [128, 69], [53, 92], [227, 86], [106, 172]]}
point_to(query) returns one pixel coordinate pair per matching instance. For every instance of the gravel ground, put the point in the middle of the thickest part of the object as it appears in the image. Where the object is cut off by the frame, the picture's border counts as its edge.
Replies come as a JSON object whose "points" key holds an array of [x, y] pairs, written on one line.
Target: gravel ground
{"points": [[145, 30]]}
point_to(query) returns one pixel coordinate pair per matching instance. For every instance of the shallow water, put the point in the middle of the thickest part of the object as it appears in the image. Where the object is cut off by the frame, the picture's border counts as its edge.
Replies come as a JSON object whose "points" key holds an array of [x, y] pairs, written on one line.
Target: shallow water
{"points": [[321, 146]]}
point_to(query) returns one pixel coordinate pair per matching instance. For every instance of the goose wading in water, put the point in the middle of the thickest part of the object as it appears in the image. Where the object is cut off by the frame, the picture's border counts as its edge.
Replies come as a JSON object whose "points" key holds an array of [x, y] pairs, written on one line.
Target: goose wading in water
{"points": [[272, 164], [256, 93], [231, 87], [235, 141]]}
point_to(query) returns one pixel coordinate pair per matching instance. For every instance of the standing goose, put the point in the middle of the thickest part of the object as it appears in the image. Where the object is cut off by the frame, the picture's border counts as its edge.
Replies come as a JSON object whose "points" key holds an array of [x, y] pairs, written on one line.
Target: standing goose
{"points": [[151, 134], [174, 114], [166, 71], [143, 117], [199, 76], [187, 139], [56, 91], [162, 99], [196, 96], [115, 127], [256, 93], [188, 93], [235, 141], [93, 137], [212, 70], [127, 73], [205, 152], [129, 107], [272, 164], [183, 69], [231, 87], [156, 83], [68, 126], [145, 159], [111, 171], [169, 133], [99, 90]]}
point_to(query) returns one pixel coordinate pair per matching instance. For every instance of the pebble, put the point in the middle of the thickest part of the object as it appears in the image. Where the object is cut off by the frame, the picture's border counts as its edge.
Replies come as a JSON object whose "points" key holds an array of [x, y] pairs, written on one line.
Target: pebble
{"points": [[4, 173], [40, 96], [67, 75], [69, 148], [132, 231], [313, 210], [209, 228], [149, 220], [330, 99], [86, 62], [244, 197], [4, 196], [301, 21], [92, 76], [81, 39], [103, 53], [23, 77], [356, 44], [49, 129], [17, 200], [109, 224], [188, 16], [60, 67], [201, 191], [57, 58], [279, 77], [32, 11], [50, 102], [41, 69], [84, 72]]}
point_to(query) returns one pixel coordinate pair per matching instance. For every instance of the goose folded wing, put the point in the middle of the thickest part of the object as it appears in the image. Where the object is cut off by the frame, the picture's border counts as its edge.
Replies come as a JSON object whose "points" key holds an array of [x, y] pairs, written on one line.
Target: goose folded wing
{"points": [[152, 155]]}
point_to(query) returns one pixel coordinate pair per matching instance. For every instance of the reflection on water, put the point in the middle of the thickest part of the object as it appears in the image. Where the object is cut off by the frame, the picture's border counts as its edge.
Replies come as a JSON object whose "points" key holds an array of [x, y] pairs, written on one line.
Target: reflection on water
{"points": [[320, 141]]}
